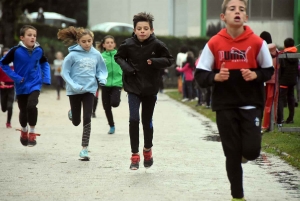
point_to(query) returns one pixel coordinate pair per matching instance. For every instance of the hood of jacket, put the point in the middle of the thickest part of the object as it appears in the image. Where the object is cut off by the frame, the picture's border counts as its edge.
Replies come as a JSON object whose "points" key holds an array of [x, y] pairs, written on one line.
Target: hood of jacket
{"points": [[248, 31], [290, 61]]}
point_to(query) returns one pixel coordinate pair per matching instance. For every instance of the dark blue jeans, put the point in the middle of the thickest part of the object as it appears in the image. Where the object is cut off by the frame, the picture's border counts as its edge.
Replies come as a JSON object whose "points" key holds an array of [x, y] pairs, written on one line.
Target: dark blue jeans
{"points": [[148, 104]]}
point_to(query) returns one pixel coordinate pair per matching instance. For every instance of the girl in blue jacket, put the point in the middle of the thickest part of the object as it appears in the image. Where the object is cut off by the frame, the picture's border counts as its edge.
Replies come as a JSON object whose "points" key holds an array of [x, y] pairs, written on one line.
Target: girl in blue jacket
{"points": [[83, 68]]}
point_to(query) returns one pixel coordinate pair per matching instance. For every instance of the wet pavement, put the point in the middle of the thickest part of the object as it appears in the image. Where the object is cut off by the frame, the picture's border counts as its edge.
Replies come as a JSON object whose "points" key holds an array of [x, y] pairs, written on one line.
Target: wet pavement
{"points": [[188, 160]]}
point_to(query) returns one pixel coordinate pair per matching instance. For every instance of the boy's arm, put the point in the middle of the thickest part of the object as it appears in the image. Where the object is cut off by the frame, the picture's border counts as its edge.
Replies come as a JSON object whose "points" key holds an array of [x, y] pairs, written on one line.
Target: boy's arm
{"points": [[4, 63], [204, 75], [120, 59], [265, 62], [164, 60], [45, 70], [65, 73], [101, 71]]}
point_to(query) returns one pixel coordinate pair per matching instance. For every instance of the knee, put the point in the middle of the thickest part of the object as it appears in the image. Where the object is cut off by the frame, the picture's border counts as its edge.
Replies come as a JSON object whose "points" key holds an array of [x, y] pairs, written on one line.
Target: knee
{"points": [[76, 123], [251, 154], [115, 103]]}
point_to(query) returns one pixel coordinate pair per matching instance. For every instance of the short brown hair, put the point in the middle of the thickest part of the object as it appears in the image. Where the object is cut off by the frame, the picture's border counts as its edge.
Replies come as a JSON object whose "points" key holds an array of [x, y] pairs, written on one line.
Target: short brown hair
{"points": [[25, 28], [225, 2], [72, 34], [143, 17]]}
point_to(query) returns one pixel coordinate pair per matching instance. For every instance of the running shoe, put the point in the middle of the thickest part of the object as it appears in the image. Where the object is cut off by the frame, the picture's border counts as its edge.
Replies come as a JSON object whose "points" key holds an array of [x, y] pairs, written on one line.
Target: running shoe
{"points": [[84, 153], [70, 115], [148, 159], [24, 137], [111, 130], [135, 160], [31, 139]]}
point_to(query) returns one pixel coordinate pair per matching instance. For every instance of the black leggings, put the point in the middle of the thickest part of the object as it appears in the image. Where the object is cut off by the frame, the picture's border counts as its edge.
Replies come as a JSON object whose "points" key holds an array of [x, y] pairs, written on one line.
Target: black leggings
{"points": [[110, 98], [7, 101], [148, 104], [28, 111], [86, 100]]}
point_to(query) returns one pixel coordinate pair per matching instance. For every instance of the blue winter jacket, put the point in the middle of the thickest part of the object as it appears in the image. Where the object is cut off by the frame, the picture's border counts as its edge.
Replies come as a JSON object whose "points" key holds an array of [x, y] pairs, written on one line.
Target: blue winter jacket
{"points": [[82, 70], [31, 68]]}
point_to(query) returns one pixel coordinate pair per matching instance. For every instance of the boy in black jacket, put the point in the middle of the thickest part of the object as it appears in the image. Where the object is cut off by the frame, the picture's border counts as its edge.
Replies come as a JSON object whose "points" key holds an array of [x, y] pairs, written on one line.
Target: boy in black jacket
{"points": [[141, 57], [288, 73]]}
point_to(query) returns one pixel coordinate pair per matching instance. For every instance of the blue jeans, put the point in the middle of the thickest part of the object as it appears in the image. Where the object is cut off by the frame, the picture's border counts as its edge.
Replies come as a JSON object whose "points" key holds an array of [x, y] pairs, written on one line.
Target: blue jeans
{"points": [[148, 104]]}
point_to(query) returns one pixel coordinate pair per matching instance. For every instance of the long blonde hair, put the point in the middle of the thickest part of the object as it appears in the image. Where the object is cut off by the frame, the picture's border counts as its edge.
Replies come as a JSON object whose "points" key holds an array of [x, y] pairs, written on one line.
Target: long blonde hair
{"points": [[71, 35]]}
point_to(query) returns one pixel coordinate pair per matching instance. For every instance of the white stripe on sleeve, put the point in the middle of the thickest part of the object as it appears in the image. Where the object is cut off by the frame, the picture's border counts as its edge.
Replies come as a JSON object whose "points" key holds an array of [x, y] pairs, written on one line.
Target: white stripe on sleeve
{"points": [[264, 58], [207, 59]]}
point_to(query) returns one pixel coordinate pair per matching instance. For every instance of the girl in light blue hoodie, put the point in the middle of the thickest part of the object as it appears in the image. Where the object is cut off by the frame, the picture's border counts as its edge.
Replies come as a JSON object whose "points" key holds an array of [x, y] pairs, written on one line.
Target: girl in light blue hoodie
{"points": [[83, 68]]}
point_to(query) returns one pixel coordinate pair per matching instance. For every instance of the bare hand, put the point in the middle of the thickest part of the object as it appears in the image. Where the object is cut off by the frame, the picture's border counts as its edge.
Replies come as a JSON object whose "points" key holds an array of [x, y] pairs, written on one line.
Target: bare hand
{"points": [[248, 75], [149, 62], [2, 84], [223, 75]]}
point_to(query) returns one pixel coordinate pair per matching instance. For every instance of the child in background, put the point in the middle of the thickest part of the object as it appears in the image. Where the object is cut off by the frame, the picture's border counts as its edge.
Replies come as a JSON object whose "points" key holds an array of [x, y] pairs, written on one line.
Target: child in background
{"points": [[57, 70], [237, 68], [188, 71], [141, 57], [83, 68], [271, 87], [31, 70], [111, 92], [288, 74], [7, 91]]}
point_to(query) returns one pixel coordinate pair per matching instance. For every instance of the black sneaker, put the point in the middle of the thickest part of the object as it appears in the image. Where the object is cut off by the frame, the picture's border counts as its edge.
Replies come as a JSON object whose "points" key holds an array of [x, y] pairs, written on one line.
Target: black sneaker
{"points": [[289, 121], [93, 115], [135, 160], [148, 159]]}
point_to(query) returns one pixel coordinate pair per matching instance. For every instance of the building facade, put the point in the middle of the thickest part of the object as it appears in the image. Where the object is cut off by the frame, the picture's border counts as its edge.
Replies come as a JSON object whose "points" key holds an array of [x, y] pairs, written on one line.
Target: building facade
{"points": [[183, 18]]}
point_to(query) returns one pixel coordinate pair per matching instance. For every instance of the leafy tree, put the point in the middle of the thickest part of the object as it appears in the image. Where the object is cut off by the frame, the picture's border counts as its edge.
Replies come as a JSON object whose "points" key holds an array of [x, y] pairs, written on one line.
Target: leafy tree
{"points": [[11, 9]]}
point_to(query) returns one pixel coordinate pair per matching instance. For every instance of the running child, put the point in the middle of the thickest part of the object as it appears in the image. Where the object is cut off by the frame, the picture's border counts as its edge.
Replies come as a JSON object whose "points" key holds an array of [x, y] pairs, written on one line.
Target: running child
{"points": [[7, 91], [237, 68], [141, 57], [31, 70], [111, 92], [83, 68]]}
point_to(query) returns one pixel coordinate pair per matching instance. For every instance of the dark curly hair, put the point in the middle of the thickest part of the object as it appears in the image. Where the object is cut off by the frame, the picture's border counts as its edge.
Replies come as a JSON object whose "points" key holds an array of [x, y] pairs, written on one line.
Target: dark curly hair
{"points": [[143, 17]]}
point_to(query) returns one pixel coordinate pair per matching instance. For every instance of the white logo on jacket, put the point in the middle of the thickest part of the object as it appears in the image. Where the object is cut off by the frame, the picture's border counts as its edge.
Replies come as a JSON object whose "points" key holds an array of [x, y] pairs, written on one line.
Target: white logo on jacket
{"points": [[87, 63], [256, 121]]}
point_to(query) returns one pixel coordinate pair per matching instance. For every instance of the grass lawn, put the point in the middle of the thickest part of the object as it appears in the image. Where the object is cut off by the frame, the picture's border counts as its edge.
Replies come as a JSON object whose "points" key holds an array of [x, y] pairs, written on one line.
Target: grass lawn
{"points": [[285, 145]]}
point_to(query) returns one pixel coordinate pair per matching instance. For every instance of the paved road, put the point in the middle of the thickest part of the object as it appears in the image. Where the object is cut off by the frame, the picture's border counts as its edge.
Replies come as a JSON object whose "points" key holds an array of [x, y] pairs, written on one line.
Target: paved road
{"points": [[188, 160]]}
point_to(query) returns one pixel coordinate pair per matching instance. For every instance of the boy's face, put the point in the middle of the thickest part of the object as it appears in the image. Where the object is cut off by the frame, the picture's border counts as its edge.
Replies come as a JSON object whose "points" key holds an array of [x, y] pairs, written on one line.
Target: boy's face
{"points": [[86, 42], [235, 14], [29, 38], [143, 31]]}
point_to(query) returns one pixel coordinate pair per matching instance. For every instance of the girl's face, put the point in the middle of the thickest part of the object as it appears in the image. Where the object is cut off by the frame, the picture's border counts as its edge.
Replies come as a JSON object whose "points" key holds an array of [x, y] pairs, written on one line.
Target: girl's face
{"points": [[235, 14], [59, 56], [86, 42], [143, 31], [29, 38], [109, 44]]}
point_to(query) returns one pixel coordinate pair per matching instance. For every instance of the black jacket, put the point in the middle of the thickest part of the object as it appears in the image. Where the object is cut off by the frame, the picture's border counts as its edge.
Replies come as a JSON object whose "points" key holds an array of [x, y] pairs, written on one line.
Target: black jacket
{"points": [[288, 71], [139, 77]]}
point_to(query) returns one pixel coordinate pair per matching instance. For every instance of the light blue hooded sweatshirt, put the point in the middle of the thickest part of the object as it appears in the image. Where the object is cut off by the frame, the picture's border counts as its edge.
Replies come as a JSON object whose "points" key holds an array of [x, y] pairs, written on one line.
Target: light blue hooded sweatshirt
{"points": [[82, 69]]}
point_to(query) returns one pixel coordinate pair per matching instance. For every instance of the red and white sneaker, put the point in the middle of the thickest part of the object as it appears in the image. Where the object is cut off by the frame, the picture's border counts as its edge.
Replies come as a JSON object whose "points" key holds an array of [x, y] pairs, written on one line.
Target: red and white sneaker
{"points": [[8, 125]]}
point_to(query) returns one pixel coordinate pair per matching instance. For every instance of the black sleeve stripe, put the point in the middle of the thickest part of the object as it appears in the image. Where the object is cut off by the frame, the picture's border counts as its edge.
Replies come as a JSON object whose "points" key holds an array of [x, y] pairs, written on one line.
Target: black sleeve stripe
{"points": [[9, 57], [43, 59]]}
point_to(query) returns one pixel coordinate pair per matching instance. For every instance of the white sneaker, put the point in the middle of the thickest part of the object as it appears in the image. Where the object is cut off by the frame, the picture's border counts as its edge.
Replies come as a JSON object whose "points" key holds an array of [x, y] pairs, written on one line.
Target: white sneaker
{"points": [[184, 100]]}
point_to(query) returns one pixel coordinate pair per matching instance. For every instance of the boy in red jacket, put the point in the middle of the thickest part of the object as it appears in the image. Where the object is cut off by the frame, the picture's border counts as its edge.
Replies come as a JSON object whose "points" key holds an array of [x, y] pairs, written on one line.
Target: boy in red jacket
{"points": [[236, 62]]}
